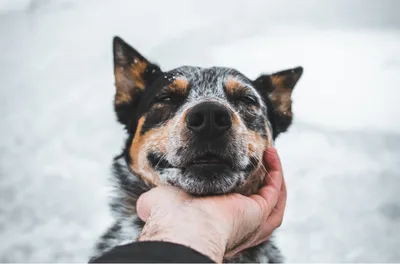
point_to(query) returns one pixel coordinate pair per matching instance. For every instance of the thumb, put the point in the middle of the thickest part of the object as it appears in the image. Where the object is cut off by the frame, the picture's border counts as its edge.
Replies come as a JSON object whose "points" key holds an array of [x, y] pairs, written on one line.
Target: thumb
{"points": [[161, 196]]}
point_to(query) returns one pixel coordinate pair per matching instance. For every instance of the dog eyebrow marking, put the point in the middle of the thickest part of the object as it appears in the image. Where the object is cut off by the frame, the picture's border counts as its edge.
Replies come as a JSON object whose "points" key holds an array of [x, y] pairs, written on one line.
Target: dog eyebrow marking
{"points": [[234, 85], [180, 85]]}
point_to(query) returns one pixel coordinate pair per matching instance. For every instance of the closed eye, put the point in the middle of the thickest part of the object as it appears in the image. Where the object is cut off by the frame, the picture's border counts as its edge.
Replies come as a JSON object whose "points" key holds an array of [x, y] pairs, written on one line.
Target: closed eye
{"points": [[243, 96], [168, 98], [247, 99]]}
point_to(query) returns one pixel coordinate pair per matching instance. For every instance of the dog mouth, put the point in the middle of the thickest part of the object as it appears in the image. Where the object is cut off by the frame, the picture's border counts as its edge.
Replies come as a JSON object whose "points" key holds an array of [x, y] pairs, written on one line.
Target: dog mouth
{"points": [[158, 161], [204, 173], [208, 159]]}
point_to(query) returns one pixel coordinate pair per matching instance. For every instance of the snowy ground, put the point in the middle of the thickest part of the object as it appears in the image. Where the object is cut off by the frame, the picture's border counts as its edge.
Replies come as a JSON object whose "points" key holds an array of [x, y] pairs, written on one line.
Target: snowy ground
{"points": [[341, 157]]}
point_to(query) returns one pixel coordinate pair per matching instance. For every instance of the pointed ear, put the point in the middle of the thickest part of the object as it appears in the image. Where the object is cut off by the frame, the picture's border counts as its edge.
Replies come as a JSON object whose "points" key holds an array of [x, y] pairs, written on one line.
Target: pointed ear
{"points": [[277, 90], [133, 73]]}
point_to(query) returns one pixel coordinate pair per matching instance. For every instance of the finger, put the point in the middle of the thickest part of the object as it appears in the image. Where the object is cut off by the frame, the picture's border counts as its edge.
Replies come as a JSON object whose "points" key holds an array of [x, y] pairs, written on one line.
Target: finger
{"points": [[267, 197], [274, 168], [270, 193], [159, 196], [276, 217], [274, 220], [272, 159]]}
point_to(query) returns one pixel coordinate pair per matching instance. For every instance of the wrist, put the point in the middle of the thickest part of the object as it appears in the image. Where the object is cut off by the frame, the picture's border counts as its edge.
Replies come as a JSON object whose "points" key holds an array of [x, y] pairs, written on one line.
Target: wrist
{"points": [[194, 231]]}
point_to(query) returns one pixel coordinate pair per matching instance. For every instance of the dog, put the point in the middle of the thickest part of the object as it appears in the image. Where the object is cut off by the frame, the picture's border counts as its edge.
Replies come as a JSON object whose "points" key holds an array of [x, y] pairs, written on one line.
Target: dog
{"points": [[203, 130]]}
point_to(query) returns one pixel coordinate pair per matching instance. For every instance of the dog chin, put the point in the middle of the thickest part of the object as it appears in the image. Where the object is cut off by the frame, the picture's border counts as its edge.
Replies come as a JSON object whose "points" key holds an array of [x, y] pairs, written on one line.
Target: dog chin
{"points": [[203, 180]]}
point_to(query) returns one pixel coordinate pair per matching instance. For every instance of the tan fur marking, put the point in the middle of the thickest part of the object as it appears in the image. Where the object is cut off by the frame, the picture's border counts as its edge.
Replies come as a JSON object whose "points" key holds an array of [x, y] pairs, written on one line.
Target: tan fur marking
{"points": [[137, 69], [235, 119], [136, 146], [256, 148], [256, 144], [282, 102], [154, 139], [179, 85], [127, 79], [277, 80], [281, 96], [121, 98], [122, 83], [232, 85]]}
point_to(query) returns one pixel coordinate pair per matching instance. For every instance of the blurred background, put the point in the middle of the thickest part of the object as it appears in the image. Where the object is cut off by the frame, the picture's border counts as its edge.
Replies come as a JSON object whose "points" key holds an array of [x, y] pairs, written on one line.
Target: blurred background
{"points": [[58, 131]]}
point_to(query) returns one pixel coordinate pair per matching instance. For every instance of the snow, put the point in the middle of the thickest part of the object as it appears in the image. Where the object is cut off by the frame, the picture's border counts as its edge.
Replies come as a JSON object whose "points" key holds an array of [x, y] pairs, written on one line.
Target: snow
{"points": [[341, 157]]}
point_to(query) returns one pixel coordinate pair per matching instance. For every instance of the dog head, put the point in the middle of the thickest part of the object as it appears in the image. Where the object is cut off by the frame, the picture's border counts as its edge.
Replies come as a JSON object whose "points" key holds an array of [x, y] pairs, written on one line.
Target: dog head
{"points": [[201, 129]]}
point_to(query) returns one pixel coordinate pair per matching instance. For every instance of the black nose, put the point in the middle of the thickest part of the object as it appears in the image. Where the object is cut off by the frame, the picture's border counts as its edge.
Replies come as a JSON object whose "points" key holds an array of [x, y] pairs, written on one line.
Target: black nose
{"points": [[209, 120]]}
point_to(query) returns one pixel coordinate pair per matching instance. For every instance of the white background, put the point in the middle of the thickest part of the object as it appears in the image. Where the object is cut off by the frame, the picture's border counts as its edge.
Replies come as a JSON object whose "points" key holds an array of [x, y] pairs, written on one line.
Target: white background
{"points": [[58, 130]]}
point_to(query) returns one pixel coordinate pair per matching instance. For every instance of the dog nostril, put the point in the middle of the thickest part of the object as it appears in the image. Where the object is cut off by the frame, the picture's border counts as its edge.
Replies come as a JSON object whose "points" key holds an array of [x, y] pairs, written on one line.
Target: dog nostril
{"points": [[223, 119], [195, 120]]}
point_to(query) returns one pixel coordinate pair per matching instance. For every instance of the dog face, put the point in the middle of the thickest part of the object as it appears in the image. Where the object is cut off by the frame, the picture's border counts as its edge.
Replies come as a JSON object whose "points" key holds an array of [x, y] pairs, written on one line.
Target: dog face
{"points": [[203, 130]]}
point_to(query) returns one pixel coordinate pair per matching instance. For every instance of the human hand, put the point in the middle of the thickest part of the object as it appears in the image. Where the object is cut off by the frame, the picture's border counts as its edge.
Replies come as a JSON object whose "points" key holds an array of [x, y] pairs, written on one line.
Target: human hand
{"points": [[216, 226]]}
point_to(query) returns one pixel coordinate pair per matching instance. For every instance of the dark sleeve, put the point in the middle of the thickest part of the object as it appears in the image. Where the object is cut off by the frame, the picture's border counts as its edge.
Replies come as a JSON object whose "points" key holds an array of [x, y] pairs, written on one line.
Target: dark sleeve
{"points": [[152, 251]]}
